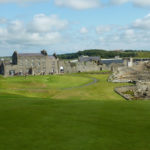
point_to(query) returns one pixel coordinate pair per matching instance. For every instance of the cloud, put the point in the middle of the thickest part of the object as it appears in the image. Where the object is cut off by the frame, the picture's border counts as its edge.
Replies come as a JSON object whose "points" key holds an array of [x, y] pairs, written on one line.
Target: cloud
{"points": [[139, 3], [118, 2], [52, 32], [83, 4], [83, 30], [45, 30], [103, 29], [3, 20], [43, 23], [15, 26], [133, 36], [78, 4], [20, 1], [86, 4], [143, 23], [129, 33]]}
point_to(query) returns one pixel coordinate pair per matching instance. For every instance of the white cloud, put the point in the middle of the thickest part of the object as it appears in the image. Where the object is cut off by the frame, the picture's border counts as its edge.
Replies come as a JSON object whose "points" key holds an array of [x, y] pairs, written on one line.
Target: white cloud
{"points": [[83, 4], [103, 29], [119, 2], [139, 3], [20, 1], [143, 23], [133, 36], [129, 36], [32, 39], [78, 4], [15, 26], [83, 30], [3, 20], [43, 33], [51, 32], [43, 23], [129, 32]]}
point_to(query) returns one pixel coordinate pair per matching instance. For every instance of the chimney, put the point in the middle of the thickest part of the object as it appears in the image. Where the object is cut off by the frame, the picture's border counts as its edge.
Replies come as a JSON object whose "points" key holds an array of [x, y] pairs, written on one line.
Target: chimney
{"points": [[44, 52]]}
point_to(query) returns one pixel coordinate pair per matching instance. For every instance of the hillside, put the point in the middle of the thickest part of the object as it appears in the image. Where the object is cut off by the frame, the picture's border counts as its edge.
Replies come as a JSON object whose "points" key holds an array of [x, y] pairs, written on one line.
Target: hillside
{"points": [[106, 54]]}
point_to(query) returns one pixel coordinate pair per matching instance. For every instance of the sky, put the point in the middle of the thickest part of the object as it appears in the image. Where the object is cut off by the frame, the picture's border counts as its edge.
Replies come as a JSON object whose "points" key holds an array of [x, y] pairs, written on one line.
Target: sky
{"points": [[65, 26]]}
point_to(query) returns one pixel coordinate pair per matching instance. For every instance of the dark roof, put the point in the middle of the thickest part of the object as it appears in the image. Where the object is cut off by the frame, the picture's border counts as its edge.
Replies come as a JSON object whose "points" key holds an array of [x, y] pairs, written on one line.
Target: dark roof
{"points": [[110, 61], [30, 54], [86, 58]]}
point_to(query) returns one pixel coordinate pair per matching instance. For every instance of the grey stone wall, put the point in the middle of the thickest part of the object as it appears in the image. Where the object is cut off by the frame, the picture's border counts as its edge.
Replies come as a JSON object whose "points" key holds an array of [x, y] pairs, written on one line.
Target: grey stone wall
{"points": [[70, 67], [73, 67], [37, 63], [52, 65], [142, 90], [121, 91], [40, 63], [34, 65]]}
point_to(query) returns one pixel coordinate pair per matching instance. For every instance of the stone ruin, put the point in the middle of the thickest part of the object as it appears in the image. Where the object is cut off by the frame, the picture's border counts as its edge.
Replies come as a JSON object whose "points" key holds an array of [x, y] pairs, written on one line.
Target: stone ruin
{"points": [[139, 75], [142, 90]]}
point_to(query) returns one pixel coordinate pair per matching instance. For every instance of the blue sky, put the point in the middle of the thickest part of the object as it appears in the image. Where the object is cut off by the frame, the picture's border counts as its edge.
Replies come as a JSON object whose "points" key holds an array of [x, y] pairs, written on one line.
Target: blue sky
{"points": [[64, 26]]}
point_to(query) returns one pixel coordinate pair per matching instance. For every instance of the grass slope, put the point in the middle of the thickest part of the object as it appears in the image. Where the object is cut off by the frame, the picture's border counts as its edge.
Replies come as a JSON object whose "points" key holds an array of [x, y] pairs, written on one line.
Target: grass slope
{"points": [[145, 54], [90, 118]]}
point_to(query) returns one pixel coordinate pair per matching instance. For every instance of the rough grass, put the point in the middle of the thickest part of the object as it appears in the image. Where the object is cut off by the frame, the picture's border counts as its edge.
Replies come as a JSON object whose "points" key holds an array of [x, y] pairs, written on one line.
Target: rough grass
{"points": [[143, 54], [86, 118]]}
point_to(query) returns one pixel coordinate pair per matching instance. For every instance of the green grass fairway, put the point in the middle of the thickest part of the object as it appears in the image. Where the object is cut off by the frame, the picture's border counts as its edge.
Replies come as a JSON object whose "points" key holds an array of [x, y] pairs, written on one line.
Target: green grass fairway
{"points": [[59, 113]]}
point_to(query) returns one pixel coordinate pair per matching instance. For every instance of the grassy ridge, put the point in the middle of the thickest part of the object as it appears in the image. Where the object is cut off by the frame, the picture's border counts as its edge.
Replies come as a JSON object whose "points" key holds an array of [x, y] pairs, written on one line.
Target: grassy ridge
{"points": [[91, 118], [143, 54], [98, 52], [107, 54]]}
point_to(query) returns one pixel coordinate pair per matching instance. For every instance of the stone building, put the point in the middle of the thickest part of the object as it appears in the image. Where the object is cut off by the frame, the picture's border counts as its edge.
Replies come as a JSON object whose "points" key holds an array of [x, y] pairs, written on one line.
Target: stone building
{"points": [[42, 63], [74, 67], [89, 59], [30, 63], [83, 64]]}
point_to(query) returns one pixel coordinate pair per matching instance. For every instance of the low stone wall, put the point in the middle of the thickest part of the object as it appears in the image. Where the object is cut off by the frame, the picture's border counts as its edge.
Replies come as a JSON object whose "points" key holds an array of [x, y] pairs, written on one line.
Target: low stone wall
{"points": [[121, 91], [142, 90]]}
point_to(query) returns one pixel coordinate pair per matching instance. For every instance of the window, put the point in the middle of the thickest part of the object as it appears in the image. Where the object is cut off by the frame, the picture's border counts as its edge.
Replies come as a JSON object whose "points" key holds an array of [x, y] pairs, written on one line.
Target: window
{"points": [[61, 69], [12, 72], [20, 73]]}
